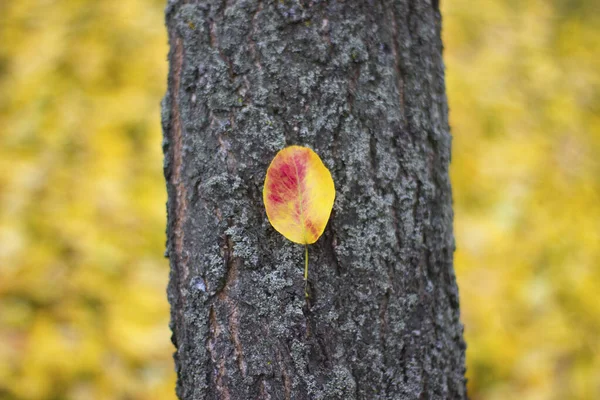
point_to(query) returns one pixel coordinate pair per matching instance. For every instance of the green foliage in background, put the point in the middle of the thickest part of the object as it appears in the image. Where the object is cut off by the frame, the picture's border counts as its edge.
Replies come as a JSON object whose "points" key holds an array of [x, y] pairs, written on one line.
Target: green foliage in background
{"points": [[83, 310]]}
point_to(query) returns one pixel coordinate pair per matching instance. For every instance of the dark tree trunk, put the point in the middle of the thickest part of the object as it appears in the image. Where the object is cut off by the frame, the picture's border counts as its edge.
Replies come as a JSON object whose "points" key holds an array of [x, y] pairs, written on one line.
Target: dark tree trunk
{"points": [[362, 83]]}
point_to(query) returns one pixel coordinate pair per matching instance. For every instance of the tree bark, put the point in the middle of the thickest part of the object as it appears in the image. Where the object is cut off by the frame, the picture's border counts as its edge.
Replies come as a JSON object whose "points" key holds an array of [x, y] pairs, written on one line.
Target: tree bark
{"points": [[362, 83]]}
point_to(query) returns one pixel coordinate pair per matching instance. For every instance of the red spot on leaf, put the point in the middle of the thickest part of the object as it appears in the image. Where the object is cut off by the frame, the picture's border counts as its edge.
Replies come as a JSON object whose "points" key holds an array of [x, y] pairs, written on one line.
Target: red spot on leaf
{"points": [[311, 227], [275, 198]]}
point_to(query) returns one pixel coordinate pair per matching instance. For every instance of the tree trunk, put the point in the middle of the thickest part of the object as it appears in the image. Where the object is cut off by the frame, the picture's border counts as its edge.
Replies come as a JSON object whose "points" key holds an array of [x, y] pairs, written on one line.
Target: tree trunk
{"points": [[362, 83]]}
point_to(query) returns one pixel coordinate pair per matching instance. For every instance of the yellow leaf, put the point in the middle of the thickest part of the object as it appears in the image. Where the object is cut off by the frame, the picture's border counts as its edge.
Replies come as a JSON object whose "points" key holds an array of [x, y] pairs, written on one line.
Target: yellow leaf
{"points": [[298, 194]]}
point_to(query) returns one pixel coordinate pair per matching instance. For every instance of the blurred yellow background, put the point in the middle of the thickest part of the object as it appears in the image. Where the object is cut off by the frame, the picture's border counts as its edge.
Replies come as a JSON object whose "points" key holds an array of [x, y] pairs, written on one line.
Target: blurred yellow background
{"points": [[83, 310]]}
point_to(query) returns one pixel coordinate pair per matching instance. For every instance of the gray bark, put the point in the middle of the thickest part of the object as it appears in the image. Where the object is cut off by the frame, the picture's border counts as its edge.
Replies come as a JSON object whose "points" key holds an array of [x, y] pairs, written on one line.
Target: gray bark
{"points": [[362, 83]]}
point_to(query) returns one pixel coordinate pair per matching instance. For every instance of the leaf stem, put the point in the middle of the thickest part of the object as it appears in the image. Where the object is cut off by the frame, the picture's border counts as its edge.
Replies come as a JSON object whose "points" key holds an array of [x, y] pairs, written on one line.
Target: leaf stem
{"points": [[306, 270]]}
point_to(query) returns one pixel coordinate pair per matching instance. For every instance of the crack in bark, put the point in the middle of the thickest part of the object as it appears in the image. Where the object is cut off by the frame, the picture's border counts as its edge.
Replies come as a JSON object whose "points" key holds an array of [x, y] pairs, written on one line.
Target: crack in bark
{"points": [[218, 361], [383, 314], [352, 87], [224, 295], [287, 384], [176, 134], [221, 387], [232, 271], [234, 322]]}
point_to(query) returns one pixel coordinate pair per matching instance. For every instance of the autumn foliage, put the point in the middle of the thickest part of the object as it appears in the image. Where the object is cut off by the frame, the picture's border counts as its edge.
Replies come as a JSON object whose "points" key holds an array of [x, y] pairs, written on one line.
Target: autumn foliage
{"points": [[298, 194], [83, 310]]}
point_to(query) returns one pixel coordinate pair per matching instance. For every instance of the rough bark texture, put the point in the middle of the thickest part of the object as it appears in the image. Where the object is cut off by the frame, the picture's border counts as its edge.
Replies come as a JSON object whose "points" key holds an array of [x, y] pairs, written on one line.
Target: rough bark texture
{"points": [[362, 83]]}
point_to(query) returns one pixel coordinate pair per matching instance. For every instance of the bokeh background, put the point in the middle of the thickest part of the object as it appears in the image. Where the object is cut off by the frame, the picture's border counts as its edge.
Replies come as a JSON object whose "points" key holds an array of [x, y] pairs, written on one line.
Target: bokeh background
{"points": [[83, 310]]}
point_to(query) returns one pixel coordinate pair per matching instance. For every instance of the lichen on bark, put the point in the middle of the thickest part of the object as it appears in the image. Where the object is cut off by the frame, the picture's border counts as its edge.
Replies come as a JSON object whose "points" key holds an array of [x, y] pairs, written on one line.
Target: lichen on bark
{"points": [[362, 83]]}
